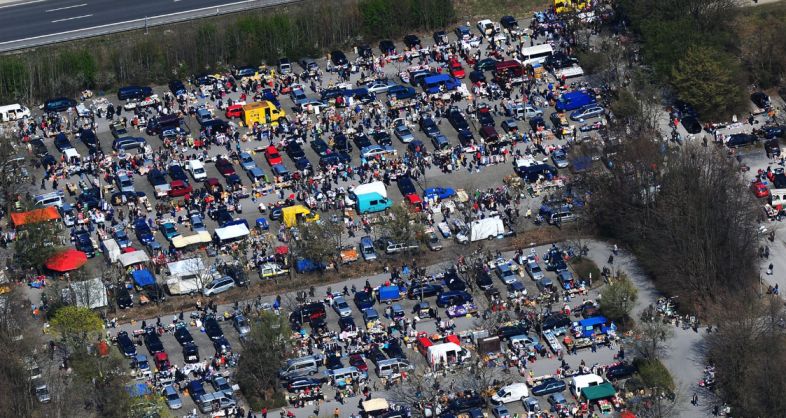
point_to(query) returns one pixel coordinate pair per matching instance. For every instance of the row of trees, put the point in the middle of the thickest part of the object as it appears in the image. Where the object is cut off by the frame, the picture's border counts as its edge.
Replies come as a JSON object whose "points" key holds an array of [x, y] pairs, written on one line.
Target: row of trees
{"points": [[307, 29]]}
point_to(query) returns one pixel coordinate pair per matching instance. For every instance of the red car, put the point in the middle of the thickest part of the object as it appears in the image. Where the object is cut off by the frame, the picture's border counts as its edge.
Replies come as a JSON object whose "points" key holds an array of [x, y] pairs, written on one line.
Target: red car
{"points": [[162, 361], [357, 361], [272, 155], [456, 70], [179, 188], [234, 111], [224, 167], [759, 189]]}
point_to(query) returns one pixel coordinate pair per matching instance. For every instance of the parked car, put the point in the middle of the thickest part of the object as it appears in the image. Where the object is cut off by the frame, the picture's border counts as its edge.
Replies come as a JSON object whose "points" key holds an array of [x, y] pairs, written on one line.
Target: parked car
{"points": [[587, 112], [218, 285], [341, 306], [549, 386], [621, 371]]}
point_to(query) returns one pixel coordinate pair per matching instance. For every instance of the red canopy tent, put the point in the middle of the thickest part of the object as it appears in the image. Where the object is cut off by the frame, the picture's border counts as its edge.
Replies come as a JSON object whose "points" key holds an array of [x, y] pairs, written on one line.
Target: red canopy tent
{"points": [[68, 260]]}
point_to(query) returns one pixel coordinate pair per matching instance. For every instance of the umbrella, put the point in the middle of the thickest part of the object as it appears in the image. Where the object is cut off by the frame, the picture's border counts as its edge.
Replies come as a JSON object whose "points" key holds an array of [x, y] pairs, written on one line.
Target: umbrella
{"points": [[66, 261], [282, 250]]}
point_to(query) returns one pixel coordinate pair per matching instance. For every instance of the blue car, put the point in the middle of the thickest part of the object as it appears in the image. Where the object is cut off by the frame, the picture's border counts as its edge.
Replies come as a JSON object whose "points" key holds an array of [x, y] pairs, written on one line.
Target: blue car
{"points": [[143, 232], [440, 193], [402, 92], [84, 244], [120, 236], [169, 230], [363, 300], [549, 386]]}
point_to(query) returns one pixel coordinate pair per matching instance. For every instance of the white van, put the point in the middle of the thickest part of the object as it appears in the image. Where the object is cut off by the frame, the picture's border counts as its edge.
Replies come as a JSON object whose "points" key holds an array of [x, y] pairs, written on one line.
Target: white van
{"points": [[348, 375], [389, 367], [300, 367], [13, 112], [577, 383], [536, 54], [50, 199], [197, 170], [510, 393]]}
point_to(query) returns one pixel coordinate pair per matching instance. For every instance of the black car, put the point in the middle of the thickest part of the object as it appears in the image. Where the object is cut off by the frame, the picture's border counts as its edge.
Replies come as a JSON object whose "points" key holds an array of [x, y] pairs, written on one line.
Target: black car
{"points": [[361, 140], [486, 64], [302, 163], [309, 312], [555, 321], [559, 60], [429, 127], [532, 173], [770, 132], [387, 47], [133, 92], [441, 37], [294, 150], [507, 331], [740, 140], [347, 324], [549, 386], [126, 346], [477, 76], [683, 109], [39, 148], [466, 403], [59, 104], [509, 22], [89, 138], [156, 177], [302, 383], [339, 59], [761, 100], [62, 143], [453, 281], [691, 125], [406, 186], [383, 138], [340, 142], [620, 371], [426, 290], [123, 298], [177, 87], [363, 300], [484, 116], [376, 354], [152, 342], [154, 292], [177, 173], [212, 329], [333, 363], [320, 147], [191, 353], [483, 278], [773, 147], [365, 51], [183, 336], [453, 298], [412, 41], [393, 350]]}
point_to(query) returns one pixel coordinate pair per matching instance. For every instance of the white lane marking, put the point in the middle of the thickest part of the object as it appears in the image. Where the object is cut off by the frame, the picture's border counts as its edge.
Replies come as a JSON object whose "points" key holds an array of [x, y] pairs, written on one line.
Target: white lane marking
{"points": [[71, 18], [273, 3], [22, 4], [66, 8]]}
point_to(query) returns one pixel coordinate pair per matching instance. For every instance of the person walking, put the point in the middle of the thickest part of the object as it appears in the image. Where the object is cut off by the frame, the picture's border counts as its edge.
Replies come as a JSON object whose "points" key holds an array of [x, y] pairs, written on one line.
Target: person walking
{"points": [[695, 400]]}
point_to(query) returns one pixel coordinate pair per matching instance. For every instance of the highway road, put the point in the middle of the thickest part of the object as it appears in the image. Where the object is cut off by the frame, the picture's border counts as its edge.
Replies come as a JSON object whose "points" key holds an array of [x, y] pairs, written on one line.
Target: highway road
{"points": [[29, 23]]}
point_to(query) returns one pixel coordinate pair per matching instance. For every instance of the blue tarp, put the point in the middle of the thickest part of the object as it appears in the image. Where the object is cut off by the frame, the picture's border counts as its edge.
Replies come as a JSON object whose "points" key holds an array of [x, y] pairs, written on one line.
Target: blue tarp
{"points": [[591, 326], [138, 389], [143, 278], [387, 293]]}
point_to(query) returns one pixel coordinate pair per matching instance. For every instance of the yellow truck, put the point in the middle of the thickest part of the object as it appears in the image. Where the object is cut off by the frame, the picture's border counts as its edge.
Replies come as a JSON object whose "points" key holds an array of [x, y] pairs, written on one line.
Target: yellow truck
{"points": [[294, 214], [263, 112]]}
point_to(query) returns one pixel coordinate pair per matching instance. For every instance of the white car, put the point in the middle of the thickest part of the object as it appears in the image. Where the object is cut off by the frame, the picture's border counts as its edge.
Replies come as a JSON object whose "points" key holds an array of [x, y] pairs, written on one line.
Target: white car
{"points": [[341, 307], [197, 170], [218, 285]]}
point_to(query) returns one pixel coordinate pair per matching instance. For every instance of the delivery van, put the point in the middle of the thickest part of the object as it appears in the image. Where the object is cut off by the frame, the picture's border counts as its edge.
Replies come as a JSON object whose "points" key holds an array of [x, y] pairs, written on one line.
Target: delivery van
{"points": [[13, 112], [574, 100], [372, 202], [263, 112]]}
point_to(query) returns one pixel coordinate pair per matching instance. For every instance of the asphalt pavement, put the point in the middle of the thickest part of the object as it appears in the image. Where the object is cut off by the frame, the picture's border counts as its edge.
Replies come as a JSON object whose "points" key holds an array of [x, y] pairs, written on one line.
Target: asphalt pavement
{"points": [[38, 22]]}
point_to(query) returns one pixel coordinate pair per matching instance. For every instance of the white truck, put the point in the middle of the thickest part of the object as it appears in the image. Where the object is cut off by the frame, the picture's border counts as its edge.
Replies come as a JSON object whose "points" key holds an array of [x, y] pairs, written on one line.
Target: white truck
{"points": [[488, 228], [447, 354], [187, 276], [373, 187]]}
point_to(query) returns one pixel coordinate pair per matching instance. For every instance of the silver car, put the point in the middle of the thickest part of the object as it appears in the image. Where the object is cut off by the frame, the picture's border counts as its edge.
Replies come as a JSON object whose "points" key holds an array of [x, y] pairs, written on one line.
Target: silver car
{"points": [[41, 391], [241, 325], [172, 398], [218, 285], [534, 270], [587, 112], [403, 133], [341, 307]]}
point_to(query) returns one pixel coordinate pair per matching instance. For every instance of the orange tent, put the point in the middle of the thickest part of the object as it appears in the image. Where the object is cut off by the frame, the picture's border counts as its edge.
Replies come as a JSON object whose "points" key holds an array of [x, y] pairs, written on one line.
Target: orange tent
{"points": [[35, 216]]}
